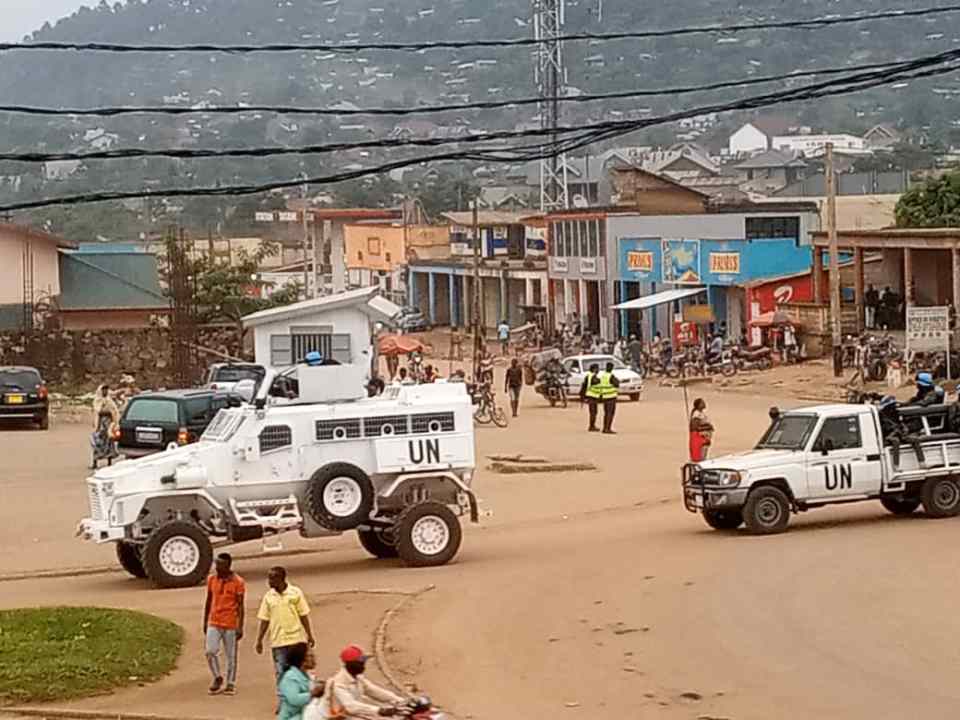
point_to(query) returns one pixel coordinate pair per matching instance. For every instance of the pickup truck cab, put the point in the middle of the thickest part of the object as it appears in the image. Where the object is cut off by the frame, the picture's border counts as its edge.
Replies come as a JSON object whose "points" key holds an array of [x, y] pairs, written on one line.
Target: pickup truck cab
{"points": [[828, 455]]}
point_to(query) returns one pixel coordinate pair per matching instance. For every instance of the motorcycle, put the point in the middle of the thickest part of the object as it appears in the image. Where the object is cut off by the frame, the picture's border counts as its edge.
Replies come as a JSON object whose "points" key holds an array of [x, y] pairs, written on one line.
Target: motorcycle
{"points": [[553, 387], [759, 358], [420, 708], [722, 364]]}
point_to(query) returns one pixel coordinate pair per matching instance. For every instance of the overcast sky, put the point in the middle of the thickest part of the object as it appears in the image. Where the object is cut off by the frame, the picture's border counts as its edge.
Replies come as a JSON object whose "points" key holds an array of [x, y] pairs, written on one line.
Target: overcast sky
{"points": [[21, 17]]}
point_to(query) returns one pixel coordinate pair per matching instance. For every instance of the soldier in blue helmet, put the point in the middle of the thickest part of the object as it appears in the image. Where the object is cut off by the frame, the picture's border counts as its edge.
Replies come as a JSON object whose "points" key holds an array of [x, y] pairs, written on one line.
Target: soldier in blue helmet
{"points": [[928, 392]]}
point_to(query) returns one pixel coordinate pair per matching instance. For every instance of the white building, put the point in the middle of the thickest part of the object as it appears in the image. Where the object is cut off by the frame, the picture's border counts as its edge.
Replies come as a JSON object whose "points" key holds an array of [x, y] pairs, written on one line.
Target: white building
{"points": [[339, 327], [813, 145]]}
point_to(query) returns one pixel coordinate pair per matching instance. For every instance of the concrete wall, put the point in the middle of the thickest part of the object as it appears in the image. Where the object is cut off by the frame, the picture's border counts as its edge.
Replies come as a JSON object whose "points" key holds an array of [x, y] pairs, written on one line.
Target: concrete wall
{"points": [[374, 247], [81, 360], [46, 267]]}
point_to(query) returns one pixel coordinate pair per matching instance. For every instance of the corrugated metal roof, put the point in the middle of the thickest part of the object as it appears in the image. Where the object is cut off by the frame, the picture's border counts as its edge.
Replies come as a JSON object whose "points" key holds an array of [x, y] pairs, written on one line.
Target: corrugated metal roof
{"points": [[100, 281]]}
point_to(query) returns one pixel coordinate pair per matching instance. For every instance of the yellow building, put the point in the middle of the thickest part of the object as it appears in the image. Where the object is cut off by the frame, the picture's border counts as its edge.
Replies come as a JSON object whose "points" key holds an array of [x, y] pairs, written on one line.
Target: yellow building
{"points": [[377, 254]]}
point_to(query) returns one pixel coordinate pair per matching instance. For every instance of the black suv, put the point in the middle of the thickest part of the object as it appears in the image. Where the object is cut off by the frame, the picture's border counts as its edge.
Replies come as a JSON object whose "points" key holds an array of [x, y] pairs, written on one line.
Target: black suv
{"points": [[153, 421], [23, 396]]}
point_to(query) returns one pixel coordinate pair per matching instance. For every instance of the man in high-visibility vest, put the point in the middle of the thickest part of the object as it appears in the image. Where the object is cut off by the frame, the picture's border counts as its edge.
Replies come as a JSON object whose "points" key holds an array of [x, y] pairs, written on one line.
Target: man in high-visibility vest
{"points": [[590, 392], [609, 389]]}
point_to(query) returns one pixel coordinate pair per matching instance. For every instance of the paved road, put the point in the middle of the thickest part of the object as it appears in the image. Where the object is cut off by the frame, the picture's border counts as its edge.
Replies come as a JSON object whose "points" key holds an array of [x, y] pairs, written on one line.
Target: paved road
{"points": [[580, 595]]}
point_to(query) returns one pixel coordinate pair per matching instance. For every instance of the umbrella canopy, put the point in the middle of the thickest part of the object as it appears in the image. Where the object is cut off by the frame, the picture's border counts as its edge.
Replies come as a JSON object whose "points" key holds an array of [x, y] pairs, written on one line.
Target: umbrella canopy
{"points": [[772, 319], [399, 345]]}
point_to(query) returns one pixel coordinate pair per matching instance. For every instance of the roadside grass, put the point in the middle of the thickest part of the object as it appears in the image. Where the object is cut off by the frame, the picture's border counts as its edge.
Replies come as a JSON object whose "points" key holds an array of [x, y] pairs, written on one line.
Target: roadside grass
{"points": [[60, 653]]}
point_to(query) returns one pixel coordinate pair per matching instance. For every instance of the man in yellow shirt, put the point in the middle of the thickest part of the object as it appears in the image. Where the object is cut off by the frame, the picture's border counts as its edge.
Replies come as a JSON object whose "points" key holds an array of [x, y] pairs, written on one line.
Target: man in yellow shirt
{"points": [[285, 614]]}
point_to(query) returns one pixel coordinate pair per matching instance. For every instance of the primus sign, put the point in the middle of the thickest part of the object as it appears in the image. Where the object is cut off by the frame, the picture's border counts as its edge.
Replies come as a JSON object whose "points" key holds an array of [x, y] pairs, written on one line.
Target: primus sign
{"points": [[639, 261], [725, 263]]}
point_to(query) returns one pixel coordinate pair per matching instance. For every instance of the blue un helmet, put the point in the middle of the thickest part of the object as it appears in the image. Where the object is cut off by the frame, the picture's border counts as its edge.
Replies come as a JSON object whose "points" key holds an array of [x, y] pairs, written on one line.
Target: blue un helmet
{"points": [[886, 402], [314, 358], [924, 380]]}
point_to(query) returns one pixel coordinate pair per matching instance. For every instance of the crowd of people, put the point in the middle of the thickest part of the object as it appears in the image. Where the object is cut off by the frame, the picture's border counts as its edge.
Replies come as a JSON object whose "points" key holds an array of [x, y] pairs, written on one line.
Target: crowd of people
{"points": [[283, 621]]}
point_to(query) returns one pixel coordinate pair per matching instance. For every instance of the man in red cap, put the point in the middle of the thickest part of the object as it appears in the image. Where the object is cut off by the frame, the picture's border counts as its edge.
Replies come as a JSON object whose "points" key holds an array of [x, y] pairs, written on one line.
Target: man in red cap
{"points": [[352, 696]]}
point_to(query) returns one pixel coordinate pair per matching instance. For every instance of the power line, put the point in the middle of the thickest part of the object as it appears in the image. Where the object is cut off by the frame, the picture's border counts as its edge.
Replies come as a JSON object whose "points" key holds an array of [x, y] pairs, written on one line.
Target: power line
{"points": [[608, 131], [802, 24], [453, 107], [887, 74]]}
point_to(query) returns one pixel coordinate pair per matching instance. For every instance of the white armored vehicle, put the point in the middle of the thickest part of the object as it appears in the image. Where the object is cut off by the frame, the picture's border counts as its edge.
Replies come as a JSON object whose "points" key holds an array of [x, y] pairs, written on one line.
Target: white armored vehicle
{"points": [[397, 468]]}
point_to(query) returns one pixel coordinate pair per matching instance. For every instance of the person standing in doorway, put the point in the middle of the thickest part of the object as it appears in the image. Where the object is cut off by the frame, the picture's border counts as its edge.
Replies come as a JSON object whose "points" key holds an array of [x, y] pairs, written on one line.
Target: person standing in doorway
{"points": [[514, 384], [871, 300], [223, 622], [609, 390], [503, 335], [701, 431], [283, 613], [635, 353], [590, 392]]}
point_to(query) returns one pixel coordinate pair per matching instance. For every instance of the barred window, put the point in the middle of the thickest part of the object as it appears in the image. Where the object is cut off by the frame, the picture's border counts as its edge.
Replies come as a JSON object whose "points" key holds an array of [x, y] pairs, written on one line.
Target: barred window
{"points": [[274, 437], [346, 429], [432, 423]]}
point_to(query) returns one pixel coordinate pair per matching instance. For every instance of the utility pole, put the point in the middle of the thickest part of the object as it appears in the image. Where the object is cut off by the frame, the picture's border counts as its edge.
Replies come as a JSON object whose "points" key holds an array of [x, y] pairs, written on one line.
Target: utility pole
{"points": [[477, 317], [550, 79], [306, 243], [837, 340]]}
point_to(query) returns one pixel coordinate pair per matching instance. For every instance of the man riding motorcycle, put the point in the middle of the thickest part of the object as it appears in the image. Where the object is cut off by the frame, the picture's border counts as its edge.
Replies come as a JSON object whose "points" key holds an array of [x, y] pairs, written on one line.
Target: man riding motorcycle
{"points": [[352, 697]]}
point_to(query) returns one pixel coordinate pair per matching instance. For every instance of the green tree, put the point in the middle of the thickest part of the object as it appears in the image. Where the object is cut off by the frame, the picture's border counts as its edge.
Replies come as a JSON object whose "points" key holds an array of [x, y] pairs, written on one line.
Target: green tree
{"points": [[225, 291], [935, 203]]}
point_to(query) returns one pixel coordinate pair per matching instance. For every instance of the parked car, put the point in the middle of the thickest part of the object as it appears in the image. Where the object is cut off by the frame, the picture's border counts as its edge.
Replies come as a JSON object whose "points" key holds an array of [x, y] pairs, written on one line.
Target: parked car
{"points": [[631, 383], [23, 396], [225, 376], [411, 320], [155, 421]]}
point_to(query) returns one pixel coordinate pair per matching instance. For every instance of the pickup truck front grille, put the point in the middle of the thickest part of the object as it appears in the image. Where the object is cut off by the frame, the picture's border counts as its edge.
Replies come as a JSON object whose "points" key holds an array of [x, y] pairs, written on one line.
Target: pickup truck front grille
{"points": [[693, 475]]}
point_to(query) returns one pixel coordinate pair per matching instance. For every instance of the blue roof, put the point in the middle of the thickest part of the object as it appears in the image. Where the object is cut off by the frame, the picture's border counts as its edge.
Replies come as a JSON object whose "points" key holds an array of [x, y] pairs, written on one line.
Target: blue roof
{"points": [[110, 280], [109, 248]]}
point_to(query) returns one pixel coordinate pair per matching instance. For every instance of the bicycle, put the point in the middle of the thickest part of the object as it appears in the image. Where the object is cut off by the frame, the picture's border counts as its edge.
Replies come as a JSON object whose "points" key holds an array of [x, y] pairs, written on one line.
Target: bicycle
{"points": [[487, 410]]}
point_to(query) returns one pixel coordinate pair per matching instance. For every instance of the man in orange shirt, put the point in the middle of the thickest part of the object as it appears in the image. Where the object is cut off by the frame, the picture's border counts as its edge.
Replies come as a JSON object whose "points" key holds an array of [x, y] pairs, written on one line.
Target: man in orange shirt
{"points": [[223, 622]]}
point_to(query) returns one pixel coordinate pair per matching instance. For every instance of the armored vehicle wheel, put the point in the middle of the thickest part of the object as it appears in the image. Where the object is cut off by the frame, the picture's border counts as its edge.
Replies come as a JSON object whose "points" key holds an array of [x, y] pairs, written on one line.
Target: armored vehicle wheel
{"points": [[177, 555], [128, 555], [427, 534], [767, 511], [723, 519], [376, 544], [941, 497], [900, 506], [340, 496]]}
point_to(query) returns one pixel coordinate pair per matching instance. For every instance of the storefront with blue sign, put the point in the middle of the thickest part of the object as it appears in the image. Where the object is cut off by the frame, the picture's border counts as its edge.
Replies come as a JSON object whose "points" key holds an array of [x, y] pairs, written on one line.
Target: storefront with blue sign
{"points": [[720, 252]]}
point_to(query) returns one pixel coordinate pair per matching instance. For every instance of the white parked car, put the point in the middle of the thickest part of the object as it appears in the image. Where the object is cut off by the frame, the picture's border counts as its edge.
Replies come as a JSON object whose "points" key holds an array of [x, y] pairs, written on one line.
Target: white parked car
{"points": [[631, 384], [397, 468]]}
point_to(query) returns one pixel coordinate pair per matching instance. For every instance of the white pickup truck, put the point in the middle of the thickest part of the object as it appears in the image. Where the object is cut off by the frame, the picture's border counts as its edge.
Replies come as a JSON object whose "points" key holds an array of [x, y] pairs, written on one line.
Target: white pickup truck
{"points": [[397, 468], [828, 455]]}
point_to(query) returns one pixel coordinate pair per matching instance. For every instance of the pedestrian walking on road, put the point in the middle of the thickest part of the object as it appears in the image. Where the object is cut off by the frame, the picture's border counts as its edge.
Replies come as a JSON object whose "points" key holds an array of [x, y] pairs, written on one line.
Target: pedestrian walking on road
{"points": [[609, 390], [503, 334], [296, 689], [283, 613], [590, 392], [514, 384], [701, 431], [223, 622]]}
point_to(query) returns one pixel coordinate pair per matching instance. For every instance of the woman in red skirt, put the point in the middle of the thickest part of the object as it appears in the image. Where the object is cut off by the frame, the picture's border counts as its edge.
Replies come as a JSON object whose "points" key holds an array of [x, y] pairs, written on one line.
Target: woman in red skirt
{"points": [[701, 431]]}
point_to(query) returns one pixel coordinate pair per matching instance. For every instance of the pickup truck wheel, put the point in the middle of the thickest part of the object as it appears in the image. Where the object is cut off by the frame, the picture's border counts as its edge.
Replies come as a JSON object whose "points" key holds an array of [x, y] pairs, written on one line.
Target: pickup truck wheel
{"points": [[941, 497], [723, 519], [177, 555], [900, 506], [428, 534], [767, 511], [128, 555], [340, 496], [376, 544]]}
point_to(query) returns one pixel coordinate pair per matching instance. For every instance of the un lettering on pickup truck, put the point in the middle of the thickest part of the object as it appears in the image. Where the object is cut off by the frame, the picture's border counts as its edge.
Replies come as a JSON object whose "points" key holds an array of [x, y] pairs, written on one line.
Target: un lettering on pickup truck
{"points": [[838, 477]]}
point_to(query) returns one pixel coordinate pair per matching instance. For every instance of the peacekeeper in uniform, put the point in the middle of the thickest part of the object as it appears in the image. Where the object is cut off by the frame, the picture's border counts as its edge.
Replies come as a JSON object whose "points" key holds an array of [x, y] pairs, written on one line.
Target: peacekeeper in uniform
{"points": [[609, 389], [590, 391]]}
